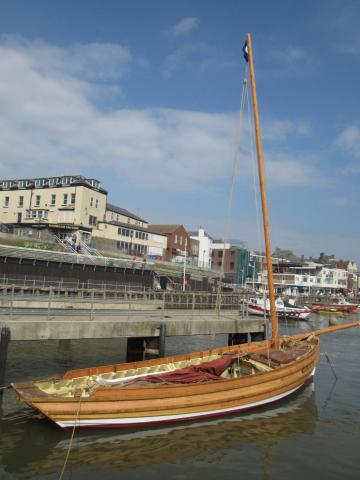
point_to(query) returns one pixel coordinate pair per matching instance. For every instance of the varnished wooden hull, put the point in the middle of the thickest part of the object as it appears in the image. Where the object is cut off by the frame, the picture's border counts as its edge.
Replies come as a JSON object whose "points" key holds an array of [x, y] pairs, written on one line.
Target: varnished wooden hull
{"points": [[157, 404]]}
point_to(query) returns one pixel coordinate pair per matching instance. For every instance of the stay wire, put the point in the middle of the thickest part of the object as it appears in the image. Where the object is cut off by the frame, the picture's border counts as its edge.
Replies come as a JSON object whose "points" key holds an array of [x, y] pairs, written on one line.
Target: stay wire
{"points": [[231, 190]]}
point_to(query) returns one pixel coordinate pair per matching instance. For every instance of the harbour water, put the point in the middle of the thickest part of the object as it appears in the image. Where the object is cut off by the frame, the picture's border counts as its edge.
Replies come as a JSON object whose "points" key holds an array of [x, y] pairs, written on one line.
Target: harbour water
{"points": [[315, 433]]}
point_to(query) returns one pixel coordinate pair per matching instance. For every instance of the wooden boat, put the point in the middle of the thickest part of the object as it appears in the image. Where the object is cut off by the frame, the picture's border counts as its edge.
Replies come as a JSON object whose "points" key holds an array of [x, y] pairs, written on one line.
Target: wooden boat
{"points": [[185, 387]]}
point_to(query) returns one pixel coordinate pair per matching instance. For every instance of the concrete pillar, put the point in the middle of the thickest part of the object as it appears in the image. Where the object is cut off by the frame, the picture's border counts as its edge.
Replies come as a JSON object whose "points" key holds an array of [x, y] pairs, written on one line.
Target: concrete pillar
{"points": [[135, 349], [237, 338], [146, 348], [257, 336], [162, 337], [4, 343]]}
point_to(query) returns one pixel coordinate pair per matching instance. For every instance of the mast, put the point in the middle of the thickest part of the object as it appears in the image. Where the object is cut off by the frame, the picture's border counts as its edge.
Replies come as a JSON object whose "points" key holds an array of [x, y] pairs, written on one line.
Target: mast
{"points": [[274, 321]]}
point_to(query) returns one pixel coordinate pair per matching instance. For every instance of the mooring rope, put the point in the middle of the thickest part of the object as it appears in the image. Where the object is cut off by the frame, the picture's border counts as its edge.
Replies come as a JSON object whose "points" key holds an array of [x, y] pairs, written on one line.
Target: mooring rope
{"points": [[71, 438]]}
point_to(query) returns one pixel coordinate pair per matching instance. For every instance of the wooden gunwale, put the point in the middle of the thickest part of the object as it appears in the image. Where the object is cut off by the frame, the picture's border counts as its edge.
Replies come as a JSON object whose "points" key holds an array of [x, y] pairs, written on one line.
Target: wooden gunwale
{"points": [[118, 367]]}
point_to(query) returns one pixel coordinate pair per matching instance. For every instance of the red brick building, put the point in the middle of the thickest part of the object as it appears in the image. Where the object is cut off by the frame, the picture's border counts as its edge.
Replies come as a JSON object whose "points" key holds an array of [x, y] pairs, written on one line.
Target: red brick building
{"points": [[178, 240]]}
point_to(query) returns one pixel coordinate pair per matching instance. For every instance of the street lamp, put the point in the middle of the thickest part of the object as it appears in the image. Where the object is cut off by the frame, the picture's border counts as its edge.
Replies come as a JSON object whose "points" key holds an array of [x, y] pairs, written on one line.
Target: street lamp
{"points": [[184, 273]]}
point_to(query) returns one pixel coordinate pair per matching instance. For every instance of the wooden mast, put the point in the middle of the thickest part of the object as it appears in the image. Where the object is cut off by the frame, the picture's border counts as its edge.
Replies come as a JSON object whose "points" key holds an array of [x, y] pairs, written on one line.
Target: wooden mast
{"points": [[274, 321]]}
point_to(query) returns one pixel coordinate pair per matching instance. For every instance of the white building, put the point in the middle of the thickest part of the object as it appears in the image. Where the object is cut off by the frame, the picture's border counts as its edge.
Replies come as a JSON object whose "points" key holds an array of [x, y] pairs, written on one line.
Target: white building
{"points": [[310, 278], [205, 248]]}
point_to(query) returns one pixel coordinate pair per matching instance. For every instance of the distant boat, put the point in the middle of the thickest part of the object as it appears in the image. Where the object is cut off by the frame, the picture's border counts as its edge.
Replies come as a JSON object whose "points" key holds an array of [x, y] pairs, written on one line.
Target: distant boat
{"points": [[185, 387], [284, 309], [342, 306]]}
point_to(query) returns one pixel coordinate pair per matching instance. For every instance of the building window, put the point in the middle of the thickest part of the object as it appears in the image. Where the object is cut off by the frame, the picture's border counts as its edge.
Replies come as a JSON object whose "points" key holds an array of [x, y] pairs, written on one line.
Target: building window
{"points": [[6, 201], [53, 199], [92, 220], [37, 201], [96, 203], [21, 201], [91, 202], [39, 214], [176, 239], [73, 197], [65, 198]]}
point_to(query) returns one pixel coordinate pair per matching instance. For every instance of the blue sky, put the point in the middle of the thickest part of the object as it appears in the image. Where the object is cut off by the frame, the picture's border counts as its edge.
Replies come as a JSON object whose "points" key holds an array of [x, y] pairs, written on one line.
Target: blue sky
{"points": [[144, 96]]}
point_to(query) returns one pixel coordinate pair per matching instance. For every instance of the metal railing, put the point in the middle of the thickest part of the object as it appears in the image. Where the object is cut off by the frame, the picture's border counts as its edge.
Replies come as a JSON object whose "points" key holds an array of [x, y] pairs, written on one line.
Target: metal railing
{"points": [[27, 283], [94, 302]]}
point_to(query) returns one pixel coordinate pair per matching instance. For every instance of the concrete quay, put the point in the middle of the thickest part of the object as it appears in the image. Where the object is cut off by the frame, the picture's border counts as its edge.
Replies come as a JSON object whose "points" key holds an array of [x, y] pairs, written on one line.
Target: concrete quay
{"points": [[128, 324]]}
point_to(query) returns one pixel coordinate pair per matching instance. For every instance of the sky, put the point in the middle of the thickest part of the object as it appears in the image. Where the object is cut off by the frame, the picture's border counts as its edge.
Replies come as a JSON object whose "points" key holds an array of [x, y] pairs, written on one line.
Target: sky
{"points": [[145, 96]]}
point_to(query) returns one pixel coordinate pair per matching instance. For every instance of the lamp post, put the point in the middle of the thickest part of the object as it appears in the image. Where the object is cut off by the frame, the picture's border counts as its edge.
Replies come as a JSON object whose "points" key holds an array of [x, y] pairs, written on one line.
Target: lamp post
{"points": [[184, 273]]}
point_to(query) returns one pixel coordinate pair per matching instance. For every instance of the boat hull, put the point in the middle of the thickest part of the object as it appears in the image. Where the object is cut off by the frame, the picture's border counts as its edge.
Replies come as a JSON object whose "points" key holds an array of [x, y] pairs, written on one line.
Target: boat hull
{"points": [[320, 307], [137, 406], [169, 419], [296, 314]]}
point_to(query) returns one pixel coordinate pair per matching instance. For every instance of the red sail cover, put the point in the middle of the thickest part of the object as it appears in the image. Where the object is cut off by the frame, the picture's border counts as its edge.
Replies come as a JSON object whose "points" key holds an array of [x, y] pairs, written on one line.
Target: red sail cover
{"points": [[204, 372]]}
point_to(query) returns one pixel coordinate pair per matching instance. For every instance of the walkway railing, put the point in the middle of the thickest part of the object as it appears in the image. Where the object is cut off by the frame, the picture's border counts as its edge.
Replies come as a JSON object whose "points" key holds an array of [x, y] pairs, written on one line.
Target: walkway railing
{"points": [[89, 302]]}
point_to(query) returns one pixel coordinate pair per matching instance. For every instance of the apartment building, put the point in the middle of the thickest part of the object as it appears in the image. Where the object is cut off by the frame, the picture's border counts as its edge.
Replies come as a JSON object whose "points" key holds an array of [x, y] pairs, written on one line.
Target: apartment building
{"points": [[307, 278], [75, 207], [128, 233], [44, 207]]}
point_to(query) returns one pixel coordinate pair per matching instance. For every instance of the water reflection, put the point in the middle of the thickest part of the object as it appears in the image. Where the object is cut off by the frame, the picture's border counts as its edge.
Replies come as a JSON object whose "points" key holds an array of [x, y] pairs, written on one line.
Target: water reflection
{"points": [[43, 448]]}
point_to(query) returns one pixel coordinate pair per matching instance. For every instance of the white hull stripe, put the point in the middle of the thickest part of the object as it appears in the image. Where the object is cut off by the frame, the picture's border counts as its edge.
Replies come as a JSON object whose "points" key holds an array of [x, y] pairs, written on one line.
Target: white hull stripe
{"points": [[172, 418]]}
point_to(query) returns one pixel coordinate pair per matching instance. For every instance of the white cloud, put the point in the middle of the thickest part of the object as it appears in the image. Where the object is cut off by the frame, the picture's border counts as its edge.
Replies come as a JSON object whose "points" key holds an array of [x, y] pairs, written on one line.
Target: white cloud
{"points": [[50, 125], [184, 26], [277, 130], [286, 169], [349, 139]]}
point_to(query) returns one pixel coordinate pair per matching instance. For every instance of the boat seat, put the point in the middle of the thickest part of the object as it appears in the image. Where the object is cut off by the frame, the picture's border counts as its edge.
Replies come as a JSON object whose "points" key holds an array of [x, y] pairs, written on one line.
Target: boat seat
{"points": [[280, 357]]}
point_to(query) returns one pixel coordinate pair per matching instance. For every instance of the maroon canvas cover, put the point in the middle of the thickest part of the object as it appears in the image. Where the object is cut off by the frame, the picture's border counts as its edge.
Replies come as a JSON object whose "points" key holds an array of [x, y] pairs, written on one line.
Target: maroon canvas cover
{"points": [[203, 372]]}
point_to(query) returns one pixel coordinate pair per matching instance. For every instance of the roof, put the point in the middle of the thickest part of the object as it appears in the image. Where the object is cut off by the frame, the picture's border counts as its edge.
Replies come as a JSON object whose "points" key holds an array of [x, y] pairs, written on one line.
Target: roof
{"points": [[166, 229], [195, 233], [122, 211], [130, 226]]}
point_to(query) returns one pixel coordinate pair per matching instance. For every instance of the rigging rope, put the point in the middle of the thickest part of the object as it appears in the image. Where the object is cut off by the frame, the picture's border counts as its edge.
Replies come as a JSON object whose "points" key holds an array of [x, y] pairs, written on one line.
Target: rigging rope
{"points": [[231, 191]]}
